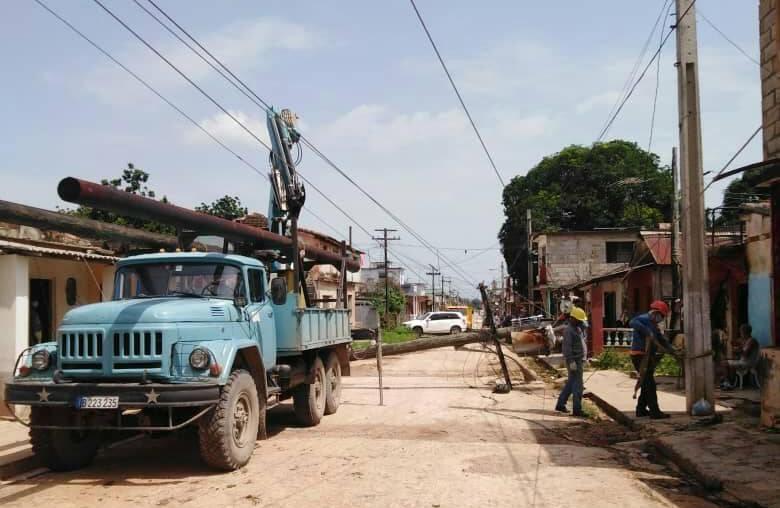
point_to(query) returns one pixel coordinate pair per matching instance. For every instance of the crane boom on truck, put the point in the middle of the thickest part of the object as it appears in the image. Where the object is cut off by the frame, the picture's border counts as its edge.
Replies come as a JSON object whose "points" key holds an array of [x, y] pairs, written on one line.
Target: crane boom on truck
{"points": [[191, 338]]}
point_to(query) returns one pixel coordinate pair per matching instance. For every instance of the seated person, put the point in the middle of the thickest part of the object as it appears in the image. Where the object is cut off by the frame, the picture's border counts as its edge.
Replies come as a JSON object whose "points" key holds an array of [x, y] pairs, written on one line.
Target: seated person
{"points": [[748, 359]]}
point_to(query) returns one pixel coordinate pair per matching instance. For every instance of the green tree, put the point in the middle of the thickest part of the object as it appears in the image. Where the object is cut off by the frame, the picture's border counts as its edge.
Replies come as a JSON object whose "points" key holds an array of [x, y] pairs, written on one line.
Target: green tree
{"points": [[612, 184], [227, 207], [134, 181], [396, 301], [738, 192]]}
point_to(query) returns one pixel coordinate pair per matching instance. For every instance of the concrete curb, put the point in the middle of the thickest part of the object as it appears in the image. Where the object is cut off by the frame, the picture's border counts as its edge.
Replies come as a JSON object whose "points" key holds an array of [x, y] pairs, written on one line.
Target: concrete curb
{"points": [[685, 464], [18, 463]]}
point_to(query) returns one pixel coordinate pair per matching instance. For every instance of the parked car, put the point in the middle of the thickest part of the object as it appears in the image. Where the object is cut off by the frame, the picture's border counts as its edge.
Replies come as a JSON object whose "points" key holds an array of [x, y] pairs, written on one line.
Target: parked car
{"points": [[437, 322]]}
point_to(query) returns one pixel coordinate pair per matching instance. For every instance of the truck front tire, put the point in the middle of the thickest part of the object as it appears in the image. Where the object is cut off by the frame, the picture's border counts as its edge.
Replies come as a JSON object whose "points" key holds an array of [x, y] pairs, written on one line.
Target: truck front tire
{"points": [[61, 449], [333, 384], [309, 399], [227, 434]]}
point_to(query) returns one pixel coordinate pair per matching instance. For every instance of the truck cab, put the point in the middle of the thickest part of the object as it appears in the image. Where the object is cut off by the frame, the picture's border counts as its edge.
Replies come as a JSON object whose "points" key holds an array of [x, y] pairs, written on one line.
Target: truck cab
{"points": [[193, 338]]}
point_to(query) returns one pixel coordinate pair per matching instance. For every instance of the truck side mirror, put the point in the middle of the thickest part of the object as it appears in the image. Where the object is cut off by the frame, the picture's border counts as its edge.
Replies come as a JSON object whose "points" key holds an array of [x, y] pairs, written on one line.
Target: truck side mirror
{"points": [[279, 291]]}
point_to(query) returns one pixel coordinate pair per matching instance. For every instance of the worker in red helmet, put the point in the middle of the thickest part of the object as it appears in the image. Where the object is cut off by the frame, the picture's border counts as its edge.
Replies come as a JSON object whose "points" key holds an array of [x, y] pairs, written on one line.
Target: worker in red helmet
{"points": [[646, 340]]}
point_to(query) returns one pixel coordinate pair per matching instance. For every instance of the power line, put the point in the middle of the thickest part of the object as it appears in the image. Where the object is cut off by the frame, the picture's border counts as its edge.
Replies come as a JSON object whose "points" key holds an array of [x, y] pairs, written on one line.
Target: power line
{"points": [[457, 93], [729, 40], [641, 76], [304, 140], [725, 166], [637, 63], [657, 83]]}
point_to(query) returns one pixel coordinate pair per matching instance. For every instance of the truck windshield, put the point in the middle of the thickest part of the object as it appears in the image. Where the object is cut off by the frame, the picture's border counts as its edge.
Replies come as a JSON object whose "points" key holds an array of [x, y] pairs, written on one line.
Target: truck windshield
{"points": [[208, 280]]}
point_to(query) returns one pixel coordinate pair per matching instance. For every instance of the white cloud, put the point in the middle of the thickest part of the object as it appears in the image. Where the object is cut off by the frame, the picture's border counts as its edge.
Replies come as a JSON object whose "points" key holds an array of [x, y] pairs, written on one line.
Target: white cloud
{"points": [[240, 46], [597, 101], [228, 131]]}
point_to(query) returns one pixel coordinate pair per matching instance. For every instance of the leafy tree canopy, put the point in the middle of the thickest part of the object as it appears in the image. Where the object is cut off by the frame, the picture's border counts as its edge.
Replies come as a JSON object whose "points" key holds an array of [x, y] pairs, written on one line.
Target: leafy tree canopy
{"points": [[227, 207], [612, 184], [134, 181], [396, 300]]}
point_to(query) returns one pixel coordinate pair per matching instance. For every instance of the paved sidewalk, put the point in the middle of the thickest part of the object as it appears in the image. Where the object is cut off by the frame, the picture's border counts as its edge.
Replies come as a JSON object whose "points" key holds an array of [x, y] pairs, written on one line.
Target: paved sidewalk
{"points": [[736, 456], [15, 452]]}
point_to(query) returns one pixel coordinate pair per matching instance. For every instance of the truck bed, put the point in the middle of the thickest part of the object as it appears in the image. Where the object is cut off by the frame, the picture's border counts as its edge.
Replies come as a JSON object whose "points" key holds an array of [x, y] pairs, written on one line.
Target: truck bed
{"points": [[312, 328]]}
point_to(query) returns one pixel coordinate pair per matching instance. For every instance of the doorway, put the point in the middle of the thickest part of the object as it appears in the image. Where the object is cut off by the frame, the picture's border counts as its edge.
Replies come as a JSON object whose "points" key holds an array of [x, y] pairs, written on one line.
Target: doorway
{"points": [[40, 311]]}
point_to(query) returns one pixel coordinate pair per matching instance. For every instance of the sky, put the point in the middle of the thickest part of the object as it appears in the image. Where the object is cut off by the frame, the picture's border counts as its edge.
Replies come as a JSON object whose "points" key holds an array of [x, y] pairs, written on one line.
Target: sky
{"points": [[370, 94]]}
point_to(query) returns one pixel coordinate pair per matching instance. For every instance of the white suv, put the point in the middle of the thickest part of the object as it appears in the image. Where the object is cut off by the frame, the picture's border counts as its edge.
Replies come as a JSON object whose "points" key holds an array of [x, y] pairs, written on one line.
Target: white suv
{"points": [[437, 322]]}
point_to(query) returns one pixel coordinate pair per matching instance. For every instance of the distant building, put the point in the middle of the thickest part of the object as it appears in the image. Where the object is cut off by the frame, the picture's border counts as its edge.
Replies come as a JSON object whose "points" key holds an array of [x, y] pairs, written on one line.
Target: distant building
{"points": [[375, 273]]}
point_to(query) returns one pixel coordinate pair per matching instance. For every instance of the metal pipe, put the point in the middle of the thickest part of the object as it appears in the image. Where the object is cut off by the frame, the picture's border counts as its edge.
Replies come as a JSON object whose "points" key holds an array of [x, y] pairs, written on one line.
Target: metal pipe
{"points": [[108, 198]]}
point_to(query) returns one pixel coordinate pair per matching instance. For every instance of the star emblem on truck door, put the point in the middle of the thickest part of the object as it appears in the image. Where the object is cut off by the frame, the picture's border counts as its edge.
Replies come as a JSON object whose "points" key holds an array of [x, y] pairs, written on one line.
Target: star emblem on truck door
{"points": [[151, 397], [43, 395]]}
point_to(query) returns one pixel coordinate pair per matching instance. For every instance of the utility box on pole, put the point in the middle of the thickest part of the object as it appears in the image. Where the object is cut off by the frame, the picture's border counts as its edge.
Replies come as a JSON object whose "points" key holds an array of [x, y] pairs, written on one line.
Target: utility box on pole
{"points": [[696, 303]]}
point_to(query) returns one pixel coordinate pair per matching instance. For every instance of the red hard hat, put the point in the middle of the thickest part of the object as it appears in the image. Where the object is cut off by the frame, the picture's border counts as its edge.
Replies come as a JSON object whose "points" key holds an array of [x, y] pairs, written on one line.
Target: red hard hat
{"points": [[660, 306]]}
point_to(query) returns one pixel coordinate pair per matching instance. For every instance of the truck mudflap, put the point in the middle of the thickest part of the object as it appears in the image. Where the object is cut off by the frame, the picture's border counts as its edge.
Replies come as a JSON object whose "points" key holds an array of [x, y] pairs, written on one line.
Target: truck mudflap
{"points": [[126, 395]]}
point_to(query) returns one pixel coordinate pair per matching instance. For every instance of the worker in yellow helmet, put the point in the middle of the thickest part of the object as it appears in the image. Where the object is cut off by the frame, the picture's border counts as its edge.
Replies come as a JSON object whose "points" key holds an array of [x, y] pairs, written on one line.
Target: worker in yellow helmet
{"points": [[573, 356]]}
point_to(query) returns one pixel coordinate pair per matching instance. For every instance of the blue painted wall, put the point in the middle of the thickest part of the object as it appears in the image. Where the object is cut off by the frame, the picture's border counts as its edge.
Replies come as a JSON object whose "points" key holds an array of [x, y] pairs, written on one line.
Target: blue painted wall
{"points": [[759, 307]]}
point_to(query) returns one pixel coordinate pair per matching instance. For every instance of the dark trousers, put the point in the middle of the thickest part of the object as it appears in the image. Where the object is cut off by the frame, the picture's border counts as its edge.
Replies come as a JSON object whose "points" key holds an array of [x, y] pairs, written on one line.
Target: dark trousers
{"points": [[573, 388], [648, 397]]}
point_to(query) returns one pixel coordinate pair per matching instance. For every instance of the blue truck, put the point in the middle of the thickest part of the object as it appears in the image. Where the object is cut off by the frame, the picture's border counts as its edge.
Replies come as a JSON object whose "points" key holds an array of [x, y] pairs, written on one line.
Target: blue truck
{"points": [[204, 339]]}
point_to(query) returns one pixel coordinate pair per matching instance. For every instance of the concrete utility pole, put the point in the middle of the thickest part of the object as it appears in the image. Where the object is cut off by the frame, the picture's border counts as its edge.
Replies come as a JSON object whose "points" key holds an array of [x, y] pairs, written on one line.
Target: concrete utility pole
{"points": [[384, 239], [696, 303], [503, 295], [530, 244], [433, 273]]}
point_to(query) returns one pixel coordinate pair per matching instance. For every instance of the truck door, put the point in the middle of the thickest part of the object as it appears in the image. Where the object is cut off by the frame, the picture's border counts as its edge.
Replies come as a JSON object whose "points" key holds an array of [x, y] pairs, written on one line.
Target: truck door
{"points": [[261, 317]]}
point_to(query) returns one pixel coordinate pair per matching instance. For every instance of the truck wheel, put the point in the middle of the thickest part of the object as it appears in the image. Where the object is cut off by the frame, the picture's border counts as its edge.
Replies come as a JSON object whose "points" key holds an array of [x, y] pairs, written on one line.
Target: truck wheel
{"points": [[417, 331], [455, 329], [61, 450], [227, 434], [309, 399], [333, 384]]}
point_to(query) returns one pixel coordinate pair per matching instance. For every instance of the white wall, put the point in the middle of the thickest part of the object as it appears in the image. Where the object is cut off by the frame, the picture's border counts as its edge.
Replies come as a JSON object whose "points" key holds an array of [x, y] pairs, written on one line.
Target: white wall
{"points": [[14, 310]]}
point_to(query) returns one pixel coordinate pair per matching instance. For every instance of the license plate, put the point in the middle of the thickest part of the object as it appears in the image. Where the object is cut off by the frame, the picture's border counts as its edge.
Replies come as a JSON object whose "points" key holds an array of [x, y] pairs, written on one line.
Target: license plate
{"points": [[108, 402]]}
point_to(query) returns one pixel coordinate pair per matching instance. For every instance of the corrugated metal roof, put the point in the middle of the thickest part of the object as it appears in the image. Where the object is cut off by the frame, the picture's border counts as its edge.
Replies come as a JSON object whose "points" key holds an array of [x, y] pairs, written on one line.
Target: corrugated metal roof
{"points": [[7, 246], [660, 246]]}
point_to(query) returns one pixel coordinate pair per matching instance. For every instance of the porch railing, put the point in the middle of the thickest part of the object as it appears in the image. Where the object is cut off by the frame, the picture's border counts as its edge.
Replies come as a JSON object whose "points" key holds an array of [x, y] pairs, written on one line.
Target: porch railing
{"points": [[617, 337]]}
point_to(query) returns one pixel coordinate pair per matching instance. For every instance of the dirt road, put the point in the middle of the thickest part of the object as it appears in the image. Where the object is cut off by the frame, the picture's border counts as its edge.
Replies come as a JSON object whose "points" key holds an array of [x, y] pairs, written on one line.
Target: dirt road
{"points": [[442, 439]]}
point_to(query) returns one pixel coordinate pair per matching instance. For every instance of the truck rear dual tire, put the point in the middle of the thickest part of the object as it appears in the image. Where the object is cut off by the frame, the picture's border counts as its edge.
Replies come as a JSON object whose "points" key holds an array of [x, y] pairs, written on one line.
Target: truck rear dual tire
{"points": [[309, 399], [61, 449], [227, 434]]}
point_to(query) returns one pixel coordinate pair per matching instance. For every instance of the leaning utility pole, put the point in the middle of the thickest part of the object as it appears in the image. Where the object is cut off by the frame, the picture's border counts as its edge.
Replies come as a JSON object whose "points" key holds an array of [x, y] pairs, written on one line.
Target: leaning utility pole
{"points": [[433, 273], [674, 322], [530, 243], [696, 303], [384, 239]]}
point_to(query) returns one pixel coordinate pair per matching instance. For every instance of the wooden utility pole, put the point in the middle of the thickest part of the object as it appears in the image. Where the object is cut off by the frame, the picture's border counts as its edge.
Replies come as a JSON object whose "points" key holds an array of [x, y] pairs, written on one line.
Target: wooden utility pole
{"points": [[494, 333], [384, 239], [696, 303], [530, 243]]}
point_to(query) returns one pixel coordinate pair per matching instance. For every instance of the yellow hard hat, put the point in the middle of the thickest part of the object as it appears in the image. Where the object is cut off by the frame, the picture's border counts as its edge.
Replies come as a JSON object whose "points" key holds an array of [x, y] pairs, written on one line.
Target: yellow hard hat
{"points": [[578, 314]]}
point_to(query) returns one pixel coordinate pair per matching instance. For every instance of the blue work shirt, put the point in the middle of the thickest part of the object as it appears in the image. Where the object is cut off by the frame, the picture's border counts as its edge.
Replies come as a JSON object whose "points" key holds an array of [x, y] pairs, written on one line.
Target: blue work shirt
{"points": [[644, 326]]}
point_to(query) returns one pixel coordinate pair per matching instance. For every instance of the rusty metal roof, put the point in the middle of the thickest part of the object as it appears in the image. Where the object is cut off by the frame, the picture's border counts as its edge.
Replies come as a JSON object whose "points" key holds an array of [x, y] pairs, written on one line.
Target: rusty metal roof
{"points": [[12, 247]]}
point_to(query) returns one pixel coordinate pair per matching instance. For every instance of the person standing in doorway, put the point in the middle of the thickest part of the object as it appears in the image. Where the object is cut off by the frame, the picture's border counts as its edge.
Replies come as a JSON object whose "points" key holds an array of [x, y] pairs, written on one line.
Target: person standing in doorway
{"points": [[574, 355], [646, 340], [36, 325]]}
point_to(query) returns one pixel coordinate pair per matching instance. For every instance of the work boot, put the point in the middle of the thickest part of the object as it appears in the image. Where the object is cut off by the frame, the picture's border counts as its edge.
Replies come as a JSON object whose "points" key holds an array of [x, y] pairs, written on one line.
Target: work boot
{"points": [[561, 409], [640, 413], [659, 415]]}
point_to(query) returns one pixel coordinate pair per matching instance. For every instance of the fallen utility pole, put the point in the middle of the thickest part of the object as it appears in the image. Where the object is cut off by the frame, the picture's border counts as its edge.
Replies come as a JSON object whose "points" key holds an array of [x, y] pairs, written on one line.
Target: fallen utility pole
{"points": [[412, 346], [494, 334], [384, 239], [45, 219], [696, 303]]}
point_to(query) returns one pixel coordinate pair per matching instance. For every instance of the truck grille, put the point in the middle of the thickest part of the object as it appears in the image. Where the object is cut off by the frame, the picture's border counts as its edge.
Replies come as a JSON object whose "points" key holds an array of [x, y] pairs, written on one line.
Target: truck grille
{"points": [[124, 349], [86, 345], [137, 349]]}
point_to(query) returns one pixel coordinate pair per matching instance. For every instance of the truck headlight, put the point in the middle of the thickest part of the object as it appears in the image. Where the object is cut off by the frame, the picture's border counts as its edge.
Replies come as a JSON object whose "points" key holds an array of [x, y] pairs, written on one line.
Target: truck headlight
{"points": [[200, 358], [41, 360]]}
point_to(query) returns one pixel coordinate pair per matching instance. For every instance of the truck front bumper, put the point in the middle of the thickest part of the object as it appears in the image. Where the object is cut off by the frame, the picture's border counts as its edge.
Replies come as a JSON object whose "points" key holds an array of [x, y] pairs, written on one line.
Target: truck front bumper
{"points": [[131, 395]]}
